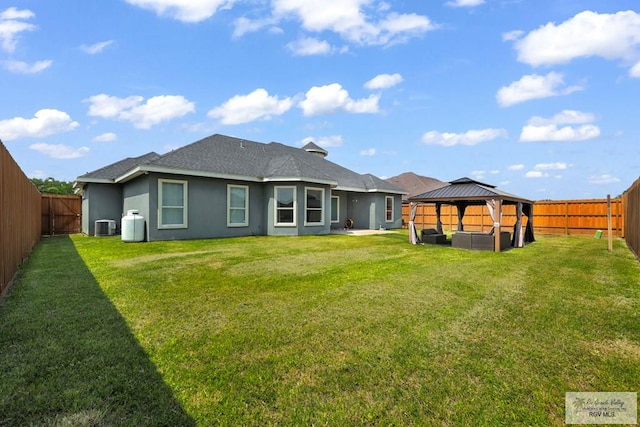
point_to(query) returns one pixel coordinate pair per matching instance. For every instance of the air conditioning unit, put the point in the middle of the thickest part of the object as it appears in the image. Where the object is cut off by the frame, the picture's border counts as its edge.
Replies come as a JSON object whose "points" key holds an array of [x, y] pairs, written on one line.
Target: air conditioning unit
{"points": [[105, 227]]}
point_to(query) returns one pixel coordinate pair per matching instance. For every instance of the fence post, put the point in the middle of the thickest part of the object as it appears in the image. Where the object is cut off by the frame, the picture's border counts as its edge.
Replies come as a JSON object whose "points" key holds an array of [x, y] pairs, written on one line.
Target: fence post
{"points": [[52, 221], [566, 218], [609, 227], [624, 202]]}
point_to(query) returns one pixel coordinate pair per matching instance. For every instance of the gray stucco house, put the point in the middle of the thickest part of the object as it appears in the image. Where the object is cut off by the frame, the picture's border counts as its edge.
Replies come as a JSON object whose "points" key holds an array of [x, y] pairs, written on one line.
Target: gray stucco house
{"points": [[223, 186]]}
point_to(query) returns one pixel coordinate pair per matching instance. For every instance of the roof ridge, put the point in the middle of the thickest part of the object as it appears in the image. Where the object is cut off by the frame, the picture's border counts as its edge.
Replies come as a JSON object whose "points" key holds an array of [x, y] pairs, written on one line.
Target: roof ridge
{"points": [[121, 162], [289, 159]]}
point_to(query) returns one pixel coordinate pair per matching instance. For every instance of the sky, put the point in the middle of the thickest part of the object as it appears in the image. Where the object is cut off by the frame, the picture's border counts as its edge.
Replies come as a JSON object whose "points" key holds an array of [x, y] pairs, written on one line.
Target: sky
{"points": [[537, 97]]}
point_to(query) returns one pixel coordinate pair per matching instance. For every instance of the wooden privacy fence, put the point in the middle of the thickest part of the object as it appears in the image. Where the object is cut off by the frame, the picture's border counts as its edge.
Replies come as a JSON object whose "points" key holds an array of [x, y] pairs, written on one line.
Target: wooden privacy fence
{"points": [[581, 217], [61, 214], [632, 217], [19, 217]]}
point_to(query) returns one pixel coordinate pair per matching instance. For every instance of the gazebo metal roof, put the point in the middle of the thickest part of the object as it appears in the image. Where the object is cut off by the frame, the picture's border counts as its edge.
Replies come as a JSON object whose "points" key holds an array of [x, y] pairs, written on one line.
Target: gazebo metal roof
{"points": [[470, 191]]}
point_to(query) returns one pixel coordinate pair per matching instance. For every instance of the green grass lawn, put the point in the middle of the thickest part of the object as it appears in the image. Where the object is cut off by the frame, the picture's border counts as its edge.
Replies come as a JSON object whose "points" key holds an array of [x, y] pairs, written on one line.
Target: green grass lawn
{"points": [[333, 330]]}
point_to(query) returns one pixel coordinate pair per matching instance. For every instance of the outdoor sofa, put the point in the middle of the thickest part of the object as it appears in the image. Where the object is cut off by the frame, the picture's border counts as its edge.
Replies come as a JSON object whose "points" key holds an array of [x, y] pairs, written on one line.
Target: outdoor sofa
{"points": [[431, 235], [480, 241]]}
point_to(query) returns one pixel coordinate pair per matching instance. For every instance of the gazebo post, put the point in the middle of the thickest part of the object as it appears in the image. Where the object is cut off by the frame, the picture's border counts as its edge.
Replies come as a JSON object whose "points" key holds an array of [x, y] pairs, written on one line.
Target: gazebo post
{"points": [[496, 225]]}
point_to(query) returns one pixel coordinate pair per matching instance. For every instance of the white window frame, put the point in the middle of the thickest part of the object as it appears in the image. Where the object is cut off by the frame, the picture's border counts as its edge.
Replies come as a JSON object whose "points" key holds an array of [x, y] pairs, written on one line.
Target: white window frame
{"points": [[393, 208], [246, 206], [276, 208], [307, 208], [337, 198], [184, 207]]}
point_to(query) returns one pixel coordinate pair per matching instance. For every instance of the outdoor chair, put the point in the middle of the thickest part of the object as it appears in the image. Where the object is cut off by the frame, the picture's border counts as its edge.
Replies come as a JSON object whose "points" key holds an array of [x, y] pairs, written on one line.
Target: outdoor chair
{"points": [[431, 235]]}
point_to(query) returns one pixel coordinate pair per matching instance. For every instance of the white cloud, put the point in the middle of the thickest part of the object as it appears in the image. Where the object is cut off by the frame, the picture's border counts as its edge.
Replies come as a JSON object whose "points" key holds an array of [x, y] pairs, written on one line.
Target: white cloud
{"points": [[106, 137], [243, 25], [309, 46], [550, 166], [610, 36], [573, 116], [516, 167], [471, 137], [96, 47], [398, 28], [159, 109], [12, 24], [478, 174], [548, 129], [368, 152], [44, 123], [247, 108], [324, 141], [184, 10], [534, 86], [59, 151], [15, 13], [363, 106], [464, 3], [351, 21], [635, 70], [20, 67], [564, 117], [603, 179], [110, 107], [333, 97], [156, 110], [383, 81], [536, 174], [512, 35], [554, 133]]}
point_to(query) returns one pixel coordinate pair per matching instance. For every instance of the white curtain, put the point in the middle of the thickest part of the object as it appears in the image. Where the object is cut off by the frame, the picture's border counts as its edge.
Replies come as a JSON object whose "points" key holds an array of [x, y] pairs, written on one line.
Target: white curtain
{"points": [[413, 233], [518, 236], [491, 205]]}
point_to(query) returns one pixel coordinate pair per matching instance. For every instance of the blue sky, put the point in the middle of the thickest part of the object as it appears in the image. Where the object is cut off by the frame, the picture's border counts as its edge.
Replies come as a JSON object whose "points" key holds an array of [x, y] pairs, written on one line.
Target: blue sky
{"points": [[538, 97]]}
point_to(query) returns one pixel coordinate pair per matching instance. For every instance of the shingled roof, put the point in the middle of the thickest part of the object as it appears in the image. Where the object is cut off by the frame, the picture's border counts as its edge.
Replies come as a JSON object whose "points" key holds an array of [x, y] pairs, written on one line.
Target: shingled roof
{"points": [[220, 156], [109, 173], [415, 184]]}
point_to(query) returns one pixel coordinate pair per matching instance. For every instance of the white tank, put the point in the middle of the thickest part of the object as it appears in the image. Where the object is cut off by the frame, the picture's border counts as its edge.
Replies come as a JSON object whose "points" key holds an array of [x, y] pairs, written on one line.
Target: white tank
{"points": [[133, 226]]}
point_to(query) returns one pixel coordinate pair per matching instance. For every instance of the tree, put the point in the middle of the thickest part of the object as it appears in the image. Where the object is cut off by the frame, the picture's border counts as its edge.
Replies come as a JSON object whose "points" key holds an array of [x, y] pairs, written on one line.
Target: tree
{"points": [[52, 186]]}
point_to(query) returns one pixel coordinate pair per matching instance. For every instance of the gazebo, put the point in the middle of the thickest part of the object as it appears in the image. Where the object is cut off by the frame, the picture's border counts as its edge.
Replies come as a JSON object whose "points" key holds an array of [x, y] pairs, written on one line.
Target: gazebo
{"points": [[465, 192]]}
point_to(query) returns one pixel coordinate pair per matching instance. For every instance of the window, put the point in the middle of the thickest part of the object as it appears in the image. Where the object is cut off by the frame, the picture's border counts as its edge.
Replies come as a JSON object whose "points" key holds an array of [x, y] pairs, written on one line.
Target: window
{"points": [[388, 208], [172, 204], [314, 206], [237, 206], [335, 209], [285, 205]]}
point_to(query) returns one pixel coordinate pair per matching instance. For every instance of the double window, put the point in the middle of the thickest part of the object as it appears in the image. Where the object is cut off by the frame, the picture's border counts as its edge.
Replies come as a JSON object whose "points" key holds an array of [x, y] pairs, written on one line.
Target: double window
{"points": [[172, 203], [237, 205], [286, 206]]}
